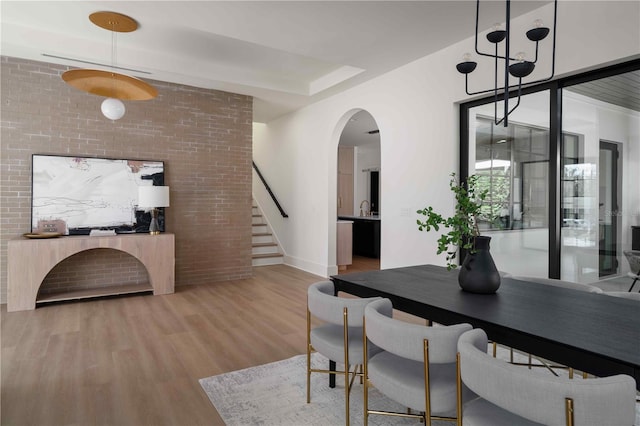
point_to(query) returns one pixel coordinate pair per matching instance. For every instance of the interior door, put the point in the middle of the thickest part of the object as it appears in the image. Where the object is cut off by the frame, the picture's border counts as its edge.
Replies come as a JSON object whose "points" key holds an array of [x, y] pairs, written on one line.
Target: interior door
{"points": [[608, 209]]}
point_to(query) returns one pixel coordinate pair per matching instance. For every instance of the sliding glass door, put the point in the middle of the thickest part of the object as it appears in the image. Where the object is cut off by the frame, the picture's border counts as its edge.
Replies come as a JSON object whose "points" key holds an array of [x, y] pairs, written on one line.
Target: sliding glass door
{"points": [[513, 165], [563, 177], [592, 237], [608, 212]]}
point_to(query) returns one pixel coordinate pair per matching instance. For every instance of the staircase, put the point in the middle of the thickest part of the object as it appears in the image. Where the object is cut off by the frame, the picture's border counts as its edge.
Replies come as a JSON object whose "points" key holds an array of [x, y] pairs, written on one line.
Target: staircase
{"points": [[265, 250]]}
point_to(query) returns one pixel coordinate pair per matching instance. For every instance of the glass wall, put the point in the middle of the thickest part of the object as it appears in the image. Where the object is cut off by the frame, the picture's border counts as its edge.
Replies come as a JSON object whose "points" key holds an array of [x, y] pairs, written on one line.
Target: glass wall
{"points": [[598, 209], [571, 218], [513, 165]]}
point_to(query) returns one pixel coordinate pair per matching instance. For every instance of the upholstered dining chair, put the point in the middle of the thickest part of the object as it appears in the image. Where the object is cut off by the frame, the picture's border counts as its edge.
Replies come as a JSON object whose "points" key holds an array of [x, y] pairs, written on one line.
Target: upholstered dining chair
{"points": [[340, 336], [633, 257], [508, 395], [416, 366]]}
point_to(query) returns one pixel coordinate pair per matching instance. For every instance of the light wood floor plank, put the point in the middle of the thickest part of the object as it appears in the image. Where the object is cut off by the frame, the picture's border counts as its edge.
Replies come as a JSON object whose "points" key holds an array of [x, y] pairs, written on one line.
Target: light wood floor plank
{"points": [[136, 360]]}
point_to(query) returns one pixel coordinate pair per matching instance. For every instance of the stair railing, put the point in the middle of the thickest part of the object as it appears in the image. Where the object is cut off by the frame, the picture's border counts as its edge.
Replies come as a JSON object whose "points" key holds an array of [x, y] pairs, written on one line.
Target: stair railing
{"points": [[266, 185]]}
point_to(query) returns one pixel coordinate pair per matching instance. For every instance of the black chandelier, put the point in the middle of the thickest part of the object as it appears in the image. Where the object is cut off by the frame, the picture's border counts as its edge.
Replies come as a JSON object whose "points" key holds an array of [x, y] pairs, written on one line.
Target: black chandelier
{"points": [[516, 66]]}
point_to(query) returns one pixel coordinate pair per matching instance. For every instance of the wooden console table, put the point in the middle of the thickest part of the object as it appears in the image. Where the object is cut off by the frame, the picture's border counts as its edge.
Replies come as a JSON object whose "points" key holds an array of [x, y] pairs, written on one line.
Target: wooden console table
{"points": [[29, 262]]}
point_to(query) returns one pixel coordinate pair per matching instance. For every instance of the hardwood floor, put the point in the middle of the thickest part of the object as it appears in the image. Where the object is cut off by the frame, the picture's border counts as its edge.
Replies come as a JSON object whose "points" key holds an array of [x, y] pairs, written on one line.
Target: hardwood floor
{"points": [[136, 360], [361, 263]]}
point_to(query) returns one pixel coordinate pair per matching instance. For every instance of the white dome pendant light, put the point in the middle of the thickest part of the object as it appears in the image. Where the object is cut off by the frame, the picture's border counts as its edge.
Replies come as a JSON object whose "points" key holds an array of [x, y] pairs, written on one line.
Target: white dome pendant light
{"points": [[113, 108], [112, 85]]}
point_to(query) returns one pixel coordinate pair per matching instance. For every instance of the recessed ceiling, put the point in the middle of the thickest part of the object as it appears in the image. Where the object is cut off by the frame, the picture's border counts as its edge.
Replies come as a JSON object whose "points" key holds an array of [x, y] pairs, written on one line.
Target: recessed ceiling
{"points": [[286, 54], [361, 129], [622, 90]]}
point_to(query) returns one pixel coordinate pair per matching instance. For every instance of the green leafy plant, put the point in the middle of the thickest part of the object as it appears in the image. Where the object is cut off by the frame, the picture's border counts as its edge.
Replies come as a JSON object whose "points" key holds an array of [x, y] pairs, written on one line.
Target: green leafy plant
{"points": [[463, 225]]}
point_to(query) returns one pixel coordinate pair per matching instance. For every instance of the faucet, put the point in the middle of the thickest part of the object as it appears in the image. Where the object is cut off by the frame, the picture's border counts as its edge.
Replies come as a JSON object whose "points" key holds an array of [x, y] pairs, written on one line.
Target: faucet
{"points": [[367, 210]]}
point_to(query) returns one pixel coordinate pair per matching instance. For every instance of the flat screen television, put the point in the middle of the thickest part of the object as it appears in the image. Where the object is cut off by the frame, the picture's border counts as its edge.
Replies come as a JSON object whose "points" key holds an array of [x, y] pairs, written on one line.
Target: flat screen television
{"points": [[74, 195]]}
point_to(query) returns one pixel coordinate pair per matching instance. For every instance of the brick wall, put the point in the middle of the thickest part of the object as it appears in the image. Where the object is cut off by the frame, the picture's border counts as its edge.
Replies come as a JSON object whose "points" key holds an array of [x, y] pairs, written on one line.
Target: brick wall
{"points": [[203, 136]]}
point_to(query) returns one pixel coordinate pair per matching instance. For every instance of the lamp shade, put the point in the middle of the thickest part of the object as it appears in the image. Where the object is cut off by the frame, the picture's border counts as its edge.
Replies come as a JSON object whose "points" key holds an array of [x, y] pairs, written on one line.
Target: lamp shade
{"points": [[153, 196]]}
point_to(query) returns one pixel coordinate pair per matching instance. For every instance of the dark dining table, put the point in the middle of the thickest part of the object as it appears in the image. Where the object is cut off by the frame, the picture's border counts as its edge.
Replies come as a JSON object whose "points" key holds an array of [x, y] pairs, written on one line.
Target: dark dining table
{"points": [[590, 332]]}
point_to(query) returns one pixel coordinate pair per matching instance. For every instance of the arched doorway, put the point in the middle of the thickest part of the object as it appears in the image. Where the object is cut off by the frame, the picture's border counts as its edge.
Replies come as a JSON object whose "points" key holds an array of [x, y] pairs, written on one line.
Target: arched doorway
{"points": [[358, 194]]}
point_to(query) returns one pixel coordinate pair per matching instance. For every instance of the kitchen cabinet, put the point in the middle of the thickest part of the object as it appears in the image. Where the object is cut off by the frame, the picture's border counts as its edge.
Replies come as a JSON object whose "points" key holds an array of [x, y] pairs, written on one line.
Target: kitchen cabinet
{"points": [[344, 246], [366, 235], [345, 180]]}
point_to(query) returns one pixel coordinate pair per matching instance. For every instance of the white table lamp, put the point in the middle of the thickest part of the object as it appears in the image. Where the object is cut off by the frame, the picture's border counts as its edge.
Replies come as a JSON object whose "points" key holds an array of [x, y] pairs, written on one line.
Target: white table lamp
{"points": [[152, 197]]}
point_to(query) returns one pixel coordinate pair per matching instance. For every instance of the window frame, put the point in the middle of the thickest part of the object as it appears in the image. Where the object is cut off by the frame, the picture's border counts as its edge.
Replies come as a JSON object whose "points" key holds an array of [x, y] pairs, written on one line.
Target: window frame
{"points": [[555, 146]]}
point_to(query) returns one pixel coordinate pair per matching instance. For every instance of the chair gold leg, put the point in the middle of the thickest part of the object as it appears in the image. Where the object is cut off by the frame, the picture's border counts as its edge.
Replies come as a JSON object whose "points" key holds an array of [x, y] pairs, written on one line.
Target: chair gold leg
{"points": [[458, 391], [346, 364], [365, 358], [308, 356], [568, 406], [427, 396]]}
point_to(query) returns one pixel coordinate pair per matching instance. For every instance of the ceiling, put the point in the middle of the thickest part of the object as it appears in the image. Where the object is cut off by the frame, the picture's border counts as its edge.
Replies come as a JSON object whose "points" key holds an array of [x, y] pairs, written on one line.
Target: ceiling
{"points": [[286, 54], [622, 90], [361, 129]]}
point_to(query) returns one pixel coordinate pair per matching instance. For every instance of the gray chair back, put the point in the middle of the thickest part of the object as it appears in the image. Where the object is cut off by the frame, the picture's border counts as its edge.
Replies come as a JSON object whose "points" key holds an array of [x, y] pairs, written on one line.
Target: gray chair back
{"points": [[541, 398], [633, 256], [406, 340], [324, 305], [559, 283]]}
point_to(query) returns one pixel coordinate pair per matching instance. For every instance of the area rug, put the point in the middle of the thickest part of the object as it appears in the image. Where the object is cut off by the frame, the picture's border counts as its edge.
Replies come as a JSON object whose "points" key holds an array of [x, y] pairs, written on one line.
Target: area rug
{"points": [[275, 394]]}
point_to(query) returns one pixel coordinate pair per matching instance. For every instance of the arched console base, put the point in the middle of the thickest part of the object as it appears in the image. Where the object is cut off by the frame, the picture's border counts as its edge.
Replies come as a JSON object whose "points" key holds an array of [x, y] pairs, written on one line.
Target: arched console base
{"points": [[29, 262]]}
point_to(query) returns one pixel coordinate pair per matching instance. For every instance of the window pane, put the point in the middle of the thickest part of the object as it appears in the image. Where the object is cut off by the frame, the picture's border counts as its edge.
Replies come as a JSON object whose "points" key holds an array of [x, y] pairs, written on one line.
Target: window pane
{"points": [[595, 224], [513, 166]]}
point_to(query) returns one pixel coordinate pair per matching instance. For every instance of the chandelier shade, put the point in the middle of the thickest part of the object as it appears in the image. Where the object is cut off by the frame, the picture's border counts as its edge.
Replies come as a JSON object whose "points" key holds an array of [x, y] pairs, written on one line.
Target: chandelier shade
{"points": [[110, 84], [516, 66]]}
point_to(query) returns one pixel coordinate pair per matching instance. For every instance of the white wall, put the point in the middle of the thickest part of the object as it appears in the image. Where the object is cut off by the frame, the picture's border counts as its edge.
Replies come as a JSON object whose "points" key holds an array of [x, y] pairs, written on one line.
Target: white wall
{"points": [[415, 109]]}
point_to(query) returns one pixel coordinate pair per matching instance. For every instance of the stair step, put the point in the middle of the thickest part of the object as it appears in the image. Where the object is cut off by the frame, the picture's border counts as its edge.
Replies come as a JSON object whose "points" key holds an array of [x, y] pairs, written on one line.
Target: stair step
{"points": [[264, 245], [266, 238], [264, 248], [266, 255], [261, 234], [264, 260]]}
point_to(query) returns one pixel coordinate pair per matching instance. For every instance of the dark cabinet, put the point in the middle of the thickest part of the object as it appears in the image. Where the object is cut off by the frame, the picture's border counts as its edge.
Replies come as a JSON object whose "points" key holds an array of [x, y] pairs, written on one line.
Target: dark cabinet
{"points": [[366, 238], [635, 238]]}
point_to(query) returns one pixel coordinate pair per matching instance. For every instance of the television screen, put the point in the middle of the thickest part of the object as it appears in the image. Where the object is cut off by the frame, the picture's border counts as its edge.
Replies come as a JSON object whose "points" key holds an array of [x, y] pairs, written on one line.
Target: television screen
{"points": [[73, 195]]}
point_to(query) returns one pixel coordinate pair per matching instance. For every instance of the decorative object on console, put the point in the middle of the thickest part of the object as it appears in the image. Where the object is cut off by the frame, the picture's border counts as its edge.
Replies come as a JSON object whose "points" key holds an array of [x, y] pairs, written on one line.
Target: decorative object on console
{"points": [[517, 66], [153, 197], [40, 235], [478, 273], [109, 83]]}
